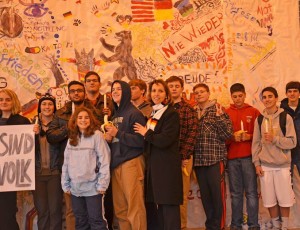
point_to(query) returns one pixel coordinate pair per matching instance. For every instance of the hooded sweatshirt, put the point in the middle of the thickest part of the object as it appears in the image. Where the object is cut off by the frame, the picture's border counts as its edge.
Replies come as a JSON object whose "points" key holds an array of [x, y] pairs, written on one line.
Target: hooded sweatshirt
{"points": [[127, 144], [247, 114], [295, 114], [278, 153]]}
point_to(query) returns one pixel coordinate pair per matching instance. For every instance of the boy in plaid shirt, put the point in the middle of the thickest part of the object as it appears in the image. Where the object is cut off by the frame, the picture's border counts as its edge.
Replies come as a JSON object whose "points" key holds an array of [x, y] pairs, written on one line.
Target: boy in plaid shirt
{"points": [[187, 140], [215, 128]]}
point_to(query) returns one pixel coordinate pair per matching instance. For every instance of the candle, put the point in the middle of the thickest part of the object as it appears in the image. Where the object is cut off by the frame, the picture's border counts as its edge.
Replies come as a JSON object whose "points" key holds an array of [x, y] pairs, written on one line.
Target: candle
{"points": [[36, 120], [242, 126], [267, 125], [73, 107], [105, 102], [188, 95]]}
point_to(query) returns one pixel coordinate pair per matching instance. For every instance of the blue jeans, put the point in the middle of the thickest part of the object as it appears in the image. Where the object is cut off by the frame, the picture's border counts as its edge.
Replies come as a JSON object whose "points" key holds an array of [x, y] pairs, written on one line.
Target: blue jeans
{"points": [[242, 178], [88, 212]]}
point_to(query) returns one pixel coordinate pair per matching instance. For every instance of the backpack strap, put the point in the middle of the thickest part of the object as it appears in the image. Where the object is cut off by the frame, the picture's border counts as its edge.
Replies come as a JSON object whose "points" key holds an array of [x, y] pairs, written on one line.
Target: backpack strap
{"points": [[282, 121], [259, 120]]}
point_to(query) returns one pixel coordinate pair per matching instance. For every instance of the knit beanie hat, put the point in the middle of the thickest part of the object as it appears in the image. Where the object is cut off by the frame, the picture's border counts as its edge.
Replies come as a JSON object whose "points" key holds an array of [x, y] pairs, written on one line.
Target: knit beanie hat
{"points": [[45, 97]]}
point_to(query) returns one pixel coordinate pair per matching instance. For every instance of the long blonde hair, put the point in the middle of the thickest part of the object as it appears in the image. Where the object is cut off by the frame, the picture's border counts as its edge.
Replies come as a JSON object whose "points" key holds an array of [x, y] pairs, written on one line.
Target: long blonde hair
{"points": [[16, 105]]}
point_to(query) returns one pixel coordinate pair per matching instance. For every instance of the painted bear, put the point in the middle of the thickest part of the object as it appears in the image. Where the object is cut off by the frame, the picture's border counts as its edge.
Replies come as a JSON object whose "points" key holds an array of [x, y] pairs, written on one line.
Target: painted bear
{"points": [[122, 54]]}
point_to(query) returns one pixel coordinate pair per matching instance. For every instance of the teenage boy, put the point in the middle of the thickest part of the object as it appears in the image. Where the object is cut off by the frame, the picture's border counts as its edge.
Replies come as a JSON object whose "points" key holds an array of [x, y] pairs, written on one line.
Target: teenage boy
{"points": [[188, 130], [57, 133], [138, 91], [241, 171], [92, 83], [271, 155], [127, 160], [291, 105], [214, 129]]}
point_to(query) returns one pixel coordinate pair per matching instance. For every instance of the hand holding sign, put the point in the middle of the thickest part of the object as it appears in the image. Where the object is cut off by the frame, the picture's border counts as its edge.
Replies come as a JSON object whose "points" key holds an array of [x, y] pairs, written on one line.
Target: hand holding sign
{"points": [[17, 158]]}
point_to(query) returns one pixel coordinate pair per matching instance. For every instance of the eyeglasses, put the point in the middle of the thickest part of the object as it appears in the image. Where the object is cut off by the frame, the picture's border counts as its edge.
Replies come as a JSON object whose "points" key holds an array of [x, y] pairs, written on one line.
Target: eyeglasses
{"points": [[72, 91], [92, 80]]}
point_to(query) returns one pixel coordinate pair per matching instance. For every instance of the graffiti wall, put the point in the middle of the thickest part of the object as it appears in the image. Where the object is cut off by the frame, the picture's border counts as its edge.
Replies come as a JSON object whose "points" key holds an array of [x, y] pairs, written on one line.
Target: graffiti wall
{"points": [[262, 44], [44, 44]]}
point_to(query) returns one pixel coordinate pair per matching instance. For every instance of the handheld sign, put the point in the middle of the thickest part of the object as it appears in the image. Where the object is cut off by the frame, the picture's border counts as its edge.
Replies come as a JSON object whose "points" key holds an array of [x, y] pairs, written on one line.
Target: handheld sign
{"points": [[17, 164]]}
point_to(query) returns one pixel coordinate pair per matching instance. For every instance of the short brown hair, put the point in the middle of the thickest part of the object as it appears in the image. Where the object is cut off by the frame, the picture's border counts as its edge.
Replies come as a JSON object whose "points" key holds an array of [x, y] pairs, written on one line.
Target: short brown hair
{"points": [[92, 73], [237, 87], [175, 78], [166, 88], [271, 90], [16, 105], [201, 85], [292, 85], [139, 83]]}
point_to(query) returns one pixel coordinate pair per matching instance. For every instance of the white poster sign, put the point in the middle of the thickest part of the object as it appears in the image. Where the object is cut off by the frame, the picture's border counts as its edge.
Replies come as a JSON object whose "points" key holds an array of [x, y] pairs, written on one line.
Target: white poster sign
{"points": [[17, 158]]}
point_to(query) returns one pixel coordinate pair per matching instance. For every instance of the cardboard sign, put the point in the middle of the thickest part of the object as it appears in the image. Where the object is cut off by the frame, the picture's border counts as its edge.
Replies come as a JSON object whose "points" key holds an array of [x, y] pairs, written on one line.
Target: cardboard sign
{"points": [[17, 158]]}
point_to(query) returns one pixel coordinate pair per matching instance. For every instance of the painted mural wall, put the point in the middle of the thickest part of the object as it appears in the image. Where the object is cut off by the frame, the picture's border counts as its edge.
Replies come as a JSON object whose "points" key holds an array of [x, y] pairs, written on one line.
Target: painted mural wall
{"points": [[46, 43]]}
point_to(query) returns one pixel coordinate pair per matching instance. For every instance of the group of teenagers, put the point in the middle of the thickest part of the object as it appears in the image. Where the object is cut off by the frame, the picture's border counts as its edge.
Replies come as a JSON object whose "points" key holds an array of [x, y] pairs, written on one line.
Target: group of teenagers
{"points": [[128, 159]]}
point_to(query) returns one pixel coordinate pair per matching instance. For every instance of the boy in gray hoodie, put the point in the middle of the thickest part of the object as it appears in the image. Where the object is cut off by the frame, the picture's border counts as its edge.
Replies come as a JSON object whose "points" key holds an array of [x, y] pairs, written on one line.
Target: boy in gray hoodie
{"points": [[271, 155]]}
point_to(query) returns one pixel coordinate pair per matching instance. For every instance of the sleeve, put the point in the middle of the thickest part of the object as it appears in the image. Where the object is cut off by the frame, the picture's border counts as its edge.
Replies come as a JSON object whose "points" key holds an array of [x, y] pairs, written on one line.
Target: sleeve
{"points": [[27, 121], [256, 144], [256, 114], [188, 133], [231, 140], [103, 157], [224, 127], [110, 106], [289, 141], [131, 138], [56, 133], [168, 133], [65, 179]]}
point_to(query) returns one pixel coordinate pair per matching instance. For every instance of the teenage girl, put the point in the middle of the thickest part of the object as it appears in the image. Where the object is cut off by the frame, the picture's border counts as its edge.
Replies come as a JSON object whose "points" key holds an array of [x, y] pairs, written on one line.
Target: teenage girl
{"points": [[85, 172]]}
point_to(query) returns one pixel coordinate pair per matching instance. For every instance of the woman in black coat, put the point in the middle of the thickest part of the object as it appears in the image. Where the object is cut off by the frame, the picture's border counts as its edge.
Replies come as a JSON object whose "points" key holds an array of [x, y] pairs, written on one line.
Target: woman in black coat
{"points": [[164, 178], [10, 108]]}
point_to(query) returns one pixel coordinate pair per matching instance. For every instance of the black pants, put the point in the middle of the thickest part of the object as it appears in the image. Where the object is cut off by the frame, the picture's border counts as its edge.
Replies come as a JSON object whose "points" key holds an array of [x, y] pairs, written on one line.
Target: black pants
{"points": [[8, 210], [108, 207], [152, 218], [168, 217], [212, 184], [48, 198]]}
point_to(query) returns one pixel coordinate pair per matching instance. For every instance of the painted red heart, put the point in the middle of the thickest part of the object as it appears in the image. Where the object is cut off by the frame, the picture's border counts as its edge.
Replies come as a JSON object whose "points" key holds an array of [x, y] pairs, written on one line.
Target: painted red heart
{"points": [[165, 25]]}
